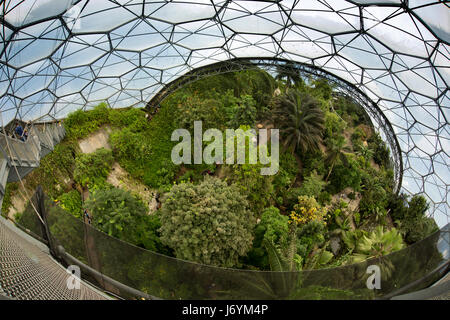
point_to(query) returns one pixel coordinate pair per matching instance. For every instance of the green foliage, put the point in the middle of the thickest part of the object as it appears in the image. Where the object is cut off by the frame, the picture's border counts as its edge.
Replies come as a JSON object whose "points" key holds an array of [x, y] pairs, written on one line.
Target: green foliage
{"points": [[130, 145], [10, 189], [55, 170], [377, 244], [344, 176], [310, 236], [347, 108], [121, 215], [242, 112], [286, 176], [366, 153], [258, 188], [283, 259], [338, 219], [336, 153], [314, 161], [381, 153], [92, 169], [80, 123], [71, 202], [257, 83], [324, 198], [273, 228], [351, 238], [207, 223], [313, 185], [358, 136], [322, 89], [417, 229], [194, 107], [334, 125], [300, 120], [410, 217], [374, 194], [132, 118], [68, 230], [144, 150]]}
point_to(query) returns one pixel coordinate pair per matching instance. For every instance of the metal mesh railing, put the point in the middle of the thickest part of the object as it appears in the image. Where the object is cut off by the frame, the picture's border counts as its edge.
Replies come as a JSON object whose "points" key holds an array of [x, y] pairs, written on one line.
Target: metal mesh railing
{"points": [[27, 272], [170, 278], [22, 152]]}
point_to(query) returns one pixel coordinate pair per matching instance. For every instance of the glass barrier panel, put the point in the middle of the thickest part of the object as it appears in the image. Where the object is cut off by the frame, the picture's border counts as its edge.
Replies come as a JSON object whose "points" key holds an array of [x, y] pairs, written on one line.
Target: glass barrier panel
{"points": [[29, 219], [170, 278]]}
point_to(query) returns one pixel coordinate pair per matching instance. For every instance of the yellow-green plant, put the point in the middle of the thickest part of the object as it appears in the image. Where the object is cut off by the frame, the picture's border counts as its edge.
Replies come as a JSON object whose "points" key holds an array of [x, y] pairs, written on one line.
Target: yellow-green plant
{"points": [[307, 209]]}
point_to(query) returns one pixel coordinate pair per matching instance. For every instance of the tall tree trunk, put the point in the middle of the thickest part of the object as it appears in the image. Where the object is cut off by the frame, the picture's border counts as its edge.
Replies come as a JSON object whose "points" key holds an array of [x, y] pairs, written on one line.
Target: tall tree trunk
{"points": [[329, 172]]}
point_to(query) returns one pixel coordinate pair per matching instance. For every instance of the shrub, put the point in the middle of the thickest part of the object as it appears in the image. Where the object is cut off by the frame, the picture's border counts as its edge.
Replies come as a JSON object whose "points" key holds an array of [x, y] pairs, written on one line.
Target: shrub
{"points": [[374, 194], [344, 176], [307, 209], [242, 112], [131, 145], [310, 235], [258, 188], [257, 83], [146, 154], [71, 202], [313, 161], [313, 185], [207, 223], [92, 169], [380, 151], [121, 215], [274, 228], [10, 189], [195, 108], [410, 217], [324, 198], [346, 107], [81, 123], [417, 229], [54, 170], [358, 136], [286, 175], [334, 125], [132, 118]]}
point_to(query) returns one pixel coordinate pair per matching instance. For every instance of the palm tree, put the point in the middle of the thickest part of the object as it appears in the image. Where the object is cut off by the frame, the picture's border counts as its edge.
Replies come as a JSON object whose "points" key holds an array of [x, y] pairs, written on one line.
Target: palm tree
{"points": [[289, 74], [336, 151], [301, 120]]}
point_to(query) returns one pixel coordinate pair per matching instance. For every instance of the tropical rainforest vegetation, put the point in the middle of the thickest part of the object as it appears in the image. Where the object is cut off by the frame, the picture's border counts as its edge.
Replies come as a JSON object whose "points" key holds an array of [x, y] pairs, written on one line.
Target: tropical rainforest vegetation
{"points": [[331, 203]]}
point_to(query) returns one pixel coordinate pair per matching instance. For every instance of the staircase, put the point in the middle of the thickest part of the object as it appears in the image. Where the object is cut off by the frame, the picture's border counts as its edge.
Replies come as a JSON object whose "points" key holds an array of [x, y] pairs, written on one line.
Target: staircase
{"points": [[25, 156]]}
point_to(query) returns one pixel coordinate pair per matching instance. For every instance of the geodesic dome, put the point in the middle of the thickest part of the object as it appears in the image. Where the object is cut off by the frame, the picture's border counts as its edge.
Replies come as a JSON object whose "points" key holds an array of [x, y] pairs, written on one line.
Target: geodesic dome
{"points": [[59, 56]]}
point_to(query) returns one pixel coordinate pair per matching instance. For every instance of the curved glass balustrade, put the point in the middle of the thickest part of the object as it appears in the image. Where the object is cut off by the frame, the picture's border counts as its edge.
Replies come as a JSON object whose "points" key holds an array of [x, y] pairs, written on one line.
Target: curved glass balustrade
{"points": [[170, 278]]}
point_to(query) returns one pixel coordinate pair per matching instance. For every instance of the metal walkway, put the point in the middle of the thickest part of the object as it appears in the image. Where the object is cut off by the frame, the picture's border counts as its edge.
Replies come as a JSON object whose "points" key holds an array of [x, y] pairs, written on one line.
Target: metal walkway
{"points": [[27, 270]]}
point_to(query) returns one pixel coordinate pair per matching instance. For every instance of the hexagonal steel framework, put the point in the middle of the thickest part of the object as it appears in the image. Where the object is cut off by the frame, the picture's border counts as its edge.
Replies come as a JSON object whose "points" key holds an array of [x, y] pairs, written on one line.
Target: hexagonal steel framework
{"points": [[61, 55]]}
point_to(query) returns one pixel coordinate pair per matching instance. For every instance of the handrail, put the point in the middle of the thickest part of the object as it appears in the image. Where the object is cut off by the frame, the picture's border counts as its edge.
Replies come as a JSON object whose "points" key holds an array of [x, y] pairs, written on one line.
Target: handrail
{"points": [[92, 272], [445, 267]]}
